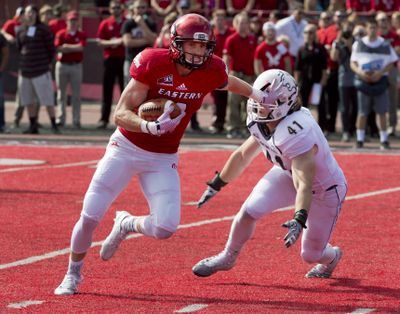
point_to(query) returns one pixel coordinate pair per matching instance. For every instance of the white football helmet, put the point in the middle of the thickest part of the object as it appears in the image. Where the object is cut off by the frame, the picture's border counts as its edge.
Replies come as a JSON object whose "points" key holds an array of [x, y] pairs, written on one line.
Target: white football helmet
{"points": [[283, 106]]}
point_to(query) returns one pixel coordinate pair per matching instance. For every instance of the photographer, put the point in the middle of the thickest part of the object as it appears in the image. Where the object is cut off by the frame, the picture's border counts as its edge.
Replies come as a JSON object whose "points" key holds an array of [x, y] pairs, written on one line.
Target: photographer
{"points": [[340, 53]]}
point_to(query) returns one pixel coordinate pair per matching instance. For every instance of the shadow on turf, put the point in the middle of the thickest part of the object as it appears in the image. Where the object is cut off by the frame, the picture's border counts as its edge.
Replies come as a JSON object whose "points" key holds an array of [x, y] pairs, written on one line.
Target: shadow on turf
{"points": [[271, 304]]}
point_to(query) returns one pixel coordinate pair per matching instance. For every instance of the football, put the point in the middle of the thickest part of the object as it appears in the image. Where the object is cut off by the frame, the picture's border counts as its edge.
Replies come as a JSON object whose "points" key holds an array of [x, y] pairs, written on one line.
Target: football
{"points": [[153, 108]]}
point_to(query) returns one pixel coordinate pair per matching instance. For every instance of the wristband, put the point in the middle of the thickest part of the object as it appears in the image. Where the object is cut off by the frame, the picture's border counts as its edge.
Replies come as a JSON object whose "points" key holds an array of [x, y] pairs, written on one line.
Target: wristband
{"points": [[217, 183], [143, 126], [301, 217]]}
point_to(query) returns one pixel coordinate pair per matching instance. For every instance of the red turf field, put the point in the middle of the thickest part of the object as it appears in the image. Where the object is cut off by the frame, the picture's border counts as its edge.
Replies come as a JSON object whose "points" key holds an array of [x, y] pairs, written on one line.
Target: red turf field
{"points": [[40, 204]]}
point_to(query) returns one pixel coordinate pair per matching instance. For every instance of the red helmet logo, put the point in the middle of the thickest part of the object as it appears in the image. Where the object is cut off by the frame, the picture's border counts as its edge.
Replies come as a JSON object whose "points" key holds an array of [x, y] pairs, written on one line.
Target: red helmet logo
{"points": [[191, 27]]}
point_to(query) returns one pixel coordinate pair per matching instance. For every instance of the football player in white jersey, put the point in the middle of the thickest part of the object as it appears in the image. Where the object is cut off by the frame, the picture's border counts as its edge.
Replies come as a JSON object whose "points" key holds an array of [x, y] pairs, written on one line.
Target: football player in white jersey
{"points": [[304, 173]]}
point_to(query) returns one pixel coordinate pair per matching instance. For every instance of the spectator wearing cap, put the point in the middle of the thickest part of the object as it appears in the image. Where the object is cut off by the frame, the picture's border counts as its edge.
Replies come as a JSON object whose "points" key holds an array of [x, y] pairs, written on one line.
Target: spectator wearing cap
{"points": [[238, 55], [69, 43], [109, 38], [138, 33], [371, 59], [35, 43], [58, 22], [293, 27], [221, 32], [46, 14], [385, 32], [4, 54], [11, 26], [271, 54]]}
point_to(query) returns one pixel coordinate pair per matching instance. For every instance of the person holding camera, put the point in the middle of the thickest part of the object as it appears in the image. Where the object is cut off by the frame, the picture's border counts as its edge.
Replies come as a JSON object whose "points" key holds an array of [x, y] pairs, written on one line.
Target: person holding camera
{"points": [[371, 59], [340, 53]]}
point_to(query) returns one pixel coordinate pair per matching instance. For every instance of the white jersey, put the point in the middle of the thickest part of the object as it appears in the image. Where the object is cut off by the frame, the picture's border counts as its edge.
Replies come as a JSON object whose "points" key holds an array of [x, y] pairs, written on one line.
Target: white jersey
{"points": [[294, 135]]}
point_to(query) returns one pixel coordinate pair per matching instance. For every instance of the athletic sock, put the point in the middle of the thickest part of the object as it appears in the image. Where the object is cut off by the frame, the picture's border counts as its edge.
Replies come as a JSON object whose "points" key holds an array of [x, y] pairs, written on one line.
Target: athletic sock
{"points": [[360, 135], [74, 268], [328, 255], [383, 136]]}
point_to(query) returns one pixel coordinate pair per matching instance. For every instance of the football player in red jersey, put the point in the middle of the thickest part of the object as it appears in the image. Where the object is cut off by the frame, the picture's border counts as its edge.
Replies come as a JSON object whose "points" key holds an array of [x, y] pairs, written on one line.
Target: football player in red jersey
{"points": [[184, 74]]}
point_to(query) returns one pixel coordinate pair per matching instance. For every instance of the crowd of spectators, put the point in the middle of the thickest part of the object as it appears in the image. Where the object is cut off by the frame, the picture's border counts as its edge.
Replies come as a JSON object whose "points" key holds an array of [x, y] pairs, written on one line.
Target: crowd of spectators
{"points": [[315, 40]]}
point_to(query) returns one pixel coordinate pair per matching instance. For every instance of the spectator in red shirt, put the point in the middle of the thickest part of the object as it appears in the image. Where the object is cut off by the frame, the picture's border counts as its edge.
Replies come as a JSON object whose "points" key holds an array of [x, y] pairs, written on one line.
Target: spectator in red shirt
{"points": [[163, 39], [163, 7], [58, 22], [271, 54], [238, 55], [234, 6], [11, 26], [109, 38], [221, 32], [386, 6], [69, 43], [384, 31], [359, 5], [396, 22]]}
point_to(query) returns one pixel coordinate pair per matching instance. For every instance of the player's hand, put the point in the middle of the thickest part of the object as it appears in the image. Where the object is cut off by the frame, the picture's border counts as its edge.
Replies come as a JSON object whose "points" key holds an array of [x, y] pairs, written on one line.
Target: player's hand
{"points": [[164, 123], [214, 186], [293, 234], [268, 97], [208, 193]]}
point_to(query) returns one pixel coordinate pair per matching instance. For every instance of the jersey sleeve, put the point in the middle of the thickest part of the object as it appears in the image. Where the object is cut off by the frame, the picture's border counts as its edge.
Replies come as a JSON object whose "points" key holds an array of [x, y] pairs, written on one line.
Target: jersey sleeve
{"points": [[140, 67], [298, 144]]}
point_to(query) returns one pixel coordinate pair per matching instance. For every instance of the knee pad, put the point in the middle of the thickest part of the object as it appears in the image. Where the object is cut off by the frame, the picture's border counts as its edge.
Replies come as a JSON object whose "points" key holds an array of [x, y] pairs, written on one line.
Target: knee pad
{"points": [[82, 234], [160, 233]]}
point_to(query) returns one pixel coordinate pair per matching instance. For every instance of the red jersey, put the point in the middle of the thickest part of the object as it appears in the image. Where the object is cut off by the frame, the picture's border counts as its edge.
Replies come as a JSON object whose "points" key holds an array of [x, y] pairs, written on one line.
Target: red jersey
{"points": [[220, 40], [155, 68], [65, 37], [386, 5], [239, 4], [326, 36], [57, 25], [241, 50], [392, 37], [359, 5], [271, 56], [109, 29], [11, 26]]}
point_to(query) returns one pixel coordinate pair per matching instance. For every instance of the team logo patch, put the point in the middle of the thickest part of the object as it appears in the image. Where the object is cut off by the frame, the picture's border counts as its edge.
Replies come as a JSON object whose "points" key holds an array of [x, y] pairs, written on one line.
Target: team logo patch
{"points": [[182, 87], [166, 80], [200, 36]]}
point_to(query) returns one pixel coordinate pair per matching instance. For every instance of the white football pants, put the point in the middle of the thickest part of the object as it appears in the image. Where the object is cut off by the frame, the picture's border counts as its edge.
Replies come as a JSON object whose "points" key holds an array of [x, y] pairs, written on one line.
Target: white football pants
{"points": [[276, 190], [158, 177]]}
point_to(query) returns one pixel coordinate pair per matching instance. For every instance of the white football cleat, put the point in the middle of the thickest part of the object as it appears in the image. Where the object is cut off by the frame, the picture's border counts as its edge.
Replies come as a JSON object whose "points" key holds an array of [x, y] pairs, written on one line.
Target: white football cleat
{"points": [[114, 239], [325, 270], [223, 261], [69, 285]]}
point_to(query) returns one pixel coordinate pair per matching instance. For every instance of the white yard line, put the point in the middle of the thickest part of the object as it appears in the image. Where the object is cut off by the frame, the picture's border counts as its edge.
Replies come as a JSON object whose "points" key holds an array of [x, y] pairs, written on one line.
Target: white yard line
{"points": [[23, 304], [38, 258], [74, 164], [362, 311], [191, 308]]}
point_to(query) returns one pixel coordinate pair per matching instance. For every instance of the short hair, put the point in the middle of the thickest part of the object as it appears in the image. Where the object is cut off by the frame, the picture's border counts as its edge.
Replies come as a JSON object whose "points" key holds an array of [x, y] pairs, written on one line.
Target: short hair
{"points": [[219, 12]]}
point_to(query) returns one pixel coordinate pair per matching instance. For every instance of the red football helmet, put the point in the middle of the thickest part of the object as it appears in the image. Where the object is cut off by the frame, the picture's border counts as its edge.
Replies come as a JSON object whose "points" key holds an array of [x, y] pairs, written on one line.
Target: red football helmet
{"points": [[191, 27]]}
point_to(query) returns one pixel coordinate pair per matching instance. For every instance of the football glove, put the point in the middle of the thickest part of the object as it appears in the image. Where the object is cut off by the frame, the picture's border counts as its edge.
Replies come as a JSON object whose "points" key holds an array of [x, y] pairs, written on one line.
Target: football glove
{"points": [[164, 123], [295, 227], [214, 186]]}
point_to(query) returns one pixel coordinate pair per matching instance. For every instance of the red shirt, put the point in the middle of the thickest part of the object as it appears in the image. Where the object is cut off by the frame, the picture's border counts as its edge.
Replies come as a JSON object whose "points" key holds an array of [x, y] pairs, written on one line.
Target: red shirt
{"points": [[64, 37], [359, 5], [386, 5], [326, 37], [241, 51], [271, 56], [266, 5], [11, 26], [57, 25], [220, 40], [239, 4], [155, 68], [392, 37], [108, 29]]}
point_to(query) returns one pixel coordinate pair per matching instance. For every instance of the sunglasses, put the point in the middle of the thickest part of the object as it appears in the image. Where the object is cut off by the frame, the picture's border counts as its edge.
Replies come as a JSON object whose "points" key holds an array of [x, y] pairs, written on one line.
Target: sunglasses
{"points": [[309, 32]]}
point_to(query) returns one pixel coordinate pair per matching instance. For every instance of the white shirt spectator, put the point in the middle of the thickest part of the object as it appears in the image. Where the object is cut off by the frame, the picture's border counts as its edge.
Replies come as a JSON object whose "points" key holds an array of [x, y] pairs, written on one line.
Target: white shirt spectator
{"points": [[289, 27]]}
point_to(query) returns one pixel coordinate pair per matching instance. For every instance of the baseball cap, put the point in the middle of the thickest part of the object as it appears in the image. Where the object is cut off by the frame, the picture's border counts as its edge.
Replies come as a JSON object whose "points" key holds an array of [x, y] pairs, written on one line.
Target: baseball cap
{"points": [[72, 15], [267, 26]]}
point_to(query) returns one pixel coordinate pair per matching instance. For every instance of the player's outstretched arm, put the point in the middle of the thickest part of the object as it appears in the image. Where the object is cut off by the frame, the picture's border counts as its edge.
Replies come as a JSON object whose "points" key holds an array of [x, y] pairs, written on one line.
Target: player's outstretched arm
{"points": [[237, 162]]}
